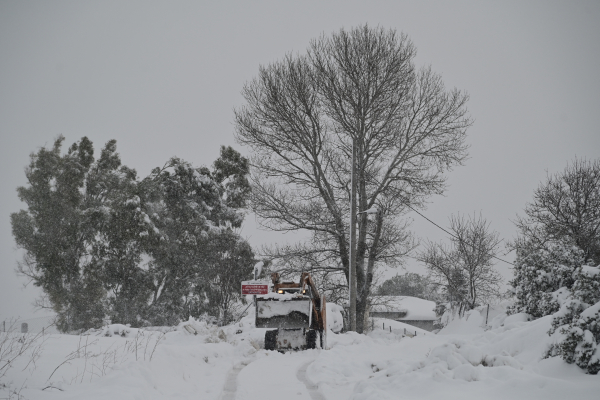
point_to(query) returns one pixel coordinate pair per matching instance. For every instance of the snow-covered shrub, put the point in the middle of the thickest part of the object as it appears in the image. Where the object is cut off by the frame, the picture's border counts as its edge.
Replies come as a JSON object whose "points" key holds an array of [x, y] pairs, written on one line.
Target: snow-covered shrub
{"points": [[539, 273], [586, 287], [555, 281], [447, 311], [577, 324], [117, 330], [557, 246], [440, 309]]}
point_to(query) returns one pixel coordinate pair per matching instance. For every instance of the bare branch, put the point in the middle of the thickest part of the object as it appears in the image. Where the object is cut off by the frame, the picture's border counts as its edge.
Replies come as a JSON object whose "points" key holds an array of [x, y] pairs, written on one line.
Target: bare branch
{"points": [[301, 117]]}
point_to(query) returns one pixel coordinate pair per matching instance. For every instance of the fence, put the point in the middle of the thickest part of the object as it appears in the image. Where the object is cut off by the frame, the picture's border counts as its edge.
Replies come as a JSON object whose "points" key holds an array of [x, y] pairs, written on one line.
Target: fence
{"points": [[30, 325], [405, 332]]}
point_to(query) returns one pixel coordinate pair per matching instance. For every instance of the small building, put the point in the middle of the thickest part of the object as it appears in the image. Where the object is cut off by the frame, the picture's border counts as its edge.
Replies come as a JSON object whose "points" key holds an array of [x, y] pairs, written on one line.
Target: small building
{"points": [[410, 310]]}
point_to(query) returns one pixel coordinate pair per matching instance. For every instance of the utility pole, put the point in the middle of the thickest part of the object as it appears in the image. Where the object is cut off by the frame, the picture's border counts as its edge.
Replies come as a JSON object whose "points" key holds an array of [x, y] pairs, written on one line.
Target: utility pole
{"points": [[352, 273], [254, 297]]}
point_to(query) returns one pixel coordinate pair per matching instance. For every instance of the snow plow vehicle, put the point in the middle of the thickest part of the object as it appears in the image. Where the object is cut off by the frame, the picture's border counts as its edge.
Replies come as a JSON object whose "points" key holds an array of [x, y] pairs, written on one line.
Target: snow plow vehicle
{"points": [[296, 311]]}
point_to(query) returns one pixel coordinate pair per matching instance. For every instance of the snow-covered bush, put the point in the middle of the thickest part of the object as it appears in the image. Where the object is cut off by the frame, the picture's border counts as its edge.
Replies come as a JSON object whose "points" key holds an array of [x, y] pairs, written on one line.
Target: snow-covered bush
{"points": [[540, 273], [558, 245], [586, 287], [577, 324], [555, 281]]}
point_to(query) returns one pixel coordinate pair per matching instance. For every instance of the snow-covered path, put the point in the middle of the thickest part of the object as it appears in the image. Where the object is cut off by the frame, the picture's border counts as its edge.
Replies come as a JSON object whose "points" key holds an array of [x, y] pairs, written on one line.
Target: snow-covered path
{"points": [[463, 362], [274, 375], [313, 389], [231, 386]]}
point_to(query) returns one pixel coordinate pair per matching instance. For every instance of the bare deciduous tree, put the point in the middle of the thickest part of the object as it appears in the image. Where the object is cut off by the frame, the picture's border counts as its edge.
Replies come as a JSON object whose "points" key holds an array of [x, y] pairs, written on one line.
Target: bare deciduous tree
{"points": [[301, 117], [565, 207], [465, 268]]}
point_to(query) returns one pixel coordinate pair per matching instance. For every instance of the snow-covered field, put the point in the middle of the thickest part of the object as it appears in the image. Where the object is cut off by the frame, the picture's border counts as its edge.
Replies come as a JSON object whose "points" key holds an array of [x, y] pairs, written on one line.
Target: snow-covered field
{"points": [[463, 361]]}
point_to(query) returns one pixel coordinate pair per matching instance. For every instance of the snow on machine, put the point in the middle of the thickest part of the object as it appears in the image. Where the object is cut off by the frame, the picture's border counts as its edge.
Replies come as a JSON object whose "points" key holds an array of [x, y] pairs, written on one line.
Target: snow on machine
{"points": [[296, 311]]}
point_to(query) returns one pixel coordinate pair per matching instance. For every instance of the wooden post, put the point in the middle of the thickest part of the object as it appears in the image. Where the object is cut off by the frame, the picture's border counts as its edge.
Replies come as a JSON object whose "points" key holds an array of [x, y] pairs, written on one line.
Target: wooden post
{"points": [[487, 313], [390, 329]]}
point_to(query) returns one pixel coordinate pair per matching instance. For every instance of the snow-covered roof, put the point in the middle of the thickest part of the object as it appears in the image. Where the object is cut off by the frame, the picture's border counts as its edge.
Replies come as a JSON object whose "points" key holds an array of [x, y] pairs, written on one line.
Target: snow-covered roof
{"points": [[415, 308]]}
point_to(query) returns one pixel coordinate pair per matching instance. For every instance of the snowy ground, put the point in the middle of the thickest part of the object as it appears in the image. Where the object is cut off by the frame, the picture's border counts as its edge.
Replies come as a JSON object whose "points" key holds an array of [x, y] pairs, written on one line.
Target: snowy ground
{"points": [[463, 361]]}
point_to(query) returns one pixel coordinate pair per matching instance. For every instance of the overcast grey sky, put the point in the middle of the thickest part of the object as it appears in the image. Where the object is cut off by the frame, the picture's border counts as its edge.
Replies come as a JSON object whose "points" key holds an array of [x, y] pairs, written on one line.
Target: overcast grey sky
{"points": [[163, 77]]}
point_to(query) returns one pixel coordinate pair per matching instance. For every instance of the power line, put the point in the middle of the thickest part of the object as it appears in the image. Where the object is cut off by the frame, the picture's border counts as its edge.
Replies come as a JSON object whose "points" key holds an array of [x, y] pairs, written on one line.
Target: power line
{"points": [[450, 233]]}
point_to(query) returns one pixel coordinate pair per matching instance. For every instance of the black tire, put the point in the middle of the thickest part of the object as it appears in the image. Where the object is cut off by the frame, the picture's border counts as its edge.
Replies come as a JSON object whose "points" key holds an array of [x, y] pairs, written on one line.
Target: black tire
{"points": [[311, 339], [271, 340]]}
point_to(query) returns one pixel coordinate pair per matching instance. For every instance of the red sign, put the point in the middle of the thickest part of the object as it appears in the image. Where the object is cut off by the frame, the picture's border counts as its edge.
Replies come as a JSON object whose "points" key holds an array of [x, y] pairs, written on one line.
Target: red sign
{"points": [[255, 288]]}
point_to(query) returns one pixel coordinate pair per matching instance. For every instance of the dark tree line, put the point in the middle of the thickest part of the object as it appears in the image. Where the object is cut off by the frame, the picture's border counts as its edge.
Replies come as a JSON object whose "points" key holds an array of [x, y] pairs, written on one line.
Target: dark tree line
{"points": [[409, 284], [101, 242]]}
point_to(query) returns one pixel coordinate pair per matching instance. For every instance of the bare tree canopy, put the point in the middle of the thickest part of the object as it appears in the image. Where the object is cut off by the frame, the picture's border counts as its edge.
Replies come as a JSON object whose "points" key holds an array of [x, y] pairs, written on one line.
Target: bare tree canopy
{"points": [[301, 117], [565, 207], [465, 268]]}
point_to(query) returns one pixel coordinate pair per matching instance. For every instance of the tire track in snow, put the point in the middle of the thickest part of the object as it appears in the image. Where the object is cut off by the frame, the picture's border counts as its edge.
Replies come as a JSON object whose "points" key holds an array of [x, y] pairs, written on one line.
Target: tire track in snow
{"points": [[230, 387], [312, 389]]}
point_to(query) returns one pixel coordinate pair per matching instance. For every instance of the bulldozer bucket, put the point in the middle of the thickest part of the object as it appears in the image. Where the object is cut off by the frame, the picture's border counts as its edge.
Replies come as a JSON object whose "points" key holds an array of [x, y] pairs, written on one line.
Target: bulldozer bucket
{"points": [[289, 314]]}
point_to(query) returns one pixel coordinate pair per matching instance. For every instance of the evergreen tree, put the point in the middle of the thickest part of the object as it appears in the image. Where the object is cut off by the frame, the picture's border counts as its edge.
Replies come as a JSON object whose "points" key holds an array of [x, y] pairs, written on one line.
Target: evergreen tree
{"points": [[409, 284], [67, 200], [188, 207], [540, 273], [99, 242], [577, 322], [230, 260]]}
